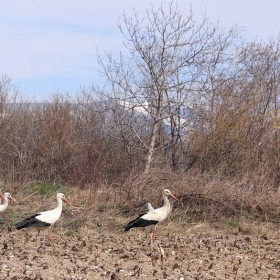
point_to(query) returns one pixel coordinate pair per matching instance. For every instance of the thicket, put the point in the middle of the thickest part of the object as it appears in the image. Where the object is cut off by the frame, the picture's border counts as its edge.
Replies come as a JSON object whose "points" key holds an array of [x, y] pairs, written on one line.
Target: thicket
{"points": [[70, 140]]}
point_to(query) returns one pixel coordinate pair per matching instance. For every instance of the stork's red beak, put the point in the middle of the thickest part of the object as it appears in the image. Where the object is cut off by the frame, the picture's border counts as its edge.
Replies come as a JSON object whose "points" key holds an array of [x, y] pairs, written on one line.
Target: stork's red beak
{"points": [[3, 197], [174, 197], [13, 199], [67, 201]]}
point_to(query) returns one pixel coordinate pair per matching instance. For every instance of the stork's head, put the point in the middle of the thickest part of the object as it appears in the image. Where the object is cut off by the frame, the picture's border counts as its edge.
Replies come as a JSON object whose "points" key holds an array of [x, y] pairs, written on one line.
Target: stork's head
{"points": [[61, 196], [7, 196], [168, 193]]}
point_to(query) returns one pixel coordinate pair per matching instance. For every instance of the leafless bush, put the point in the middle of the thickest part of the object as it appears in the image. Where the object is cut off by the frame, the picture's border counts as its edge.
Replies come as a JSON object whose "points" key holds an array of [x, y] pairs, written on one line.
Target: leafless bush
{"points": [[202, 197]]}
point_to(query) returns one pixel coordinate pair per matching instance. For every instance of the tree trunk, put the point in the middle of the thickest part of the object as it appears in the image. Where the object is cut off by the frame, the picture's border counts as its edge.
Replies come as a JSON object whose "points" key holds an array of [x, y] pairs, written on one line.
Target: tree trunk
{"points": [[154, 135]]}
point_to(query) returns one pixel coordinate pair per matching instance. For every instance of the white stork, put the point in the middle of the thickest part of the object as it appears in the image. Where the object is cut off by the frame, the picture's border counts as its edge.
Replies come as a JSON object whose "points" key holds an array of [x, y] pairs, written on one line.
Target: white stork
{"points": [[153, 217], [45, 219], [5, 197]]}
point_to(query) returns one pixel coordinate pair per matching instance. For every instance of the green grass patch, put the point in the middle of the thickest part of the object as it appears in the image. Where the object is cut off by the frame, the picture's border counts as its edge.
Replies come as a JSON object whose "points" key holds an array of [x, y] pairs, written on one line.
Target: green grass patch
{"points": [[12, 225], [233, 223], [47, 188], [70, 233]]}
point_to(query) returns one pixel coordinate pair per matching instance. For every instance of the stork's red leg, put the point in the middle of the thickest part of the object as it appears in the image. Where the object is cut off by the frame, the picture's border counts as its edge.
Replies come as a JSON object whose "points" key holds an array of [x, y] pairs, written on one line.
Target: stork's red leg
{"points": [[37, 239], [153, 241], [49, 236]]}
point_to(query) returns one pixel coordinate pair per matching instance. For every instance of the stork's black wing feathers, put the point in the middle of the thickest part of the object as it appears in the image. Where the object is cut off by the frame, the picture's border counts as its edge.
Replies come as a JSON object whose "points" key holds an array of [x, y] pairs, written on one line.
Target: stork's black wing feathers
{"points": [[139, 222], [32, 222]]}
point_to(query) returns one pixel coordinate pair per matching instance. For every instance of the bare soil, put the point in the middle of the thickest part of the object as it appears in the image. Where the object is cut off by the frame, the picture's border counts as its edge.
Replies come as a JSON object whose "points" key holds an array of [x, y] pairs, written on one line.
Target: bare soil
{"points": [[105, 252]]}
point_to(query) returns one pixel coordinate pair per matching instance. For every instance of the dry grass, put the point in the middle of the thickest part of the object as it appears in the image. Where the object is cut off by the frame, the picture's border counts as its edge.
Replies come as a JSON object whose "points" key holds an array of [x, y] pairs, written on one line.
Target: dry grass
{"points": [[202, 200]]}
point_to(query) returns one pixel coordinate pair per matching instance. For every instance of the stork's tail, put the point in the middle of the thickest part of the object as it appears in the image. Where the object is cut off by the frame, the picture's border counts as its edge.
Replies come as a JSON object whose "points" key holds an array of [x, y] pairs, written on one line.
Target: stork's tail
{"points": [[23, 224], [139, 222], [31, 222], [132, 224]]}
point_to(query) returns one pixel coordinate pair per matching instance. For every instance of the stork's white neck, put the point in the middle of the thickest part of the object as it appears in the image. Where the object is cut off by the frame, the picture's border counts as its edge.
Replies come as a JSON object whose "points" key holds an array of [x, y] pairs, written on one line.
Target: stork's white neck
{"points": [[53, 215], [59, 205], [166, 199], [4, 205], [166, 205]]}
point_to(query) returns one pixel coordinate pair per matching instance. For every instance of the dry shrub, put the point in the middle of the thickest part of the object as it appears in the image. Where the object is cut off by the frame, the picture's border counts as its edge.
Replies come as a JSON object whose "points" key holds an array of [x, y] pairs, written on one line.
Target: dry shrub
{"points": [[202, 197]]}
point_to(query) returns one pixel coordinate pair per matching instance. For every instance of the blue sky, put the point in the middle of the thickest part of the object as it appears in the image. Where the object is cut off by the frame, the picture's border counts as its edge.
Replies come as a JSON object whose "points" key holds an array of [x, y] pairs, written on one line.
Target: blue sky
{"points": [[49, 47]]}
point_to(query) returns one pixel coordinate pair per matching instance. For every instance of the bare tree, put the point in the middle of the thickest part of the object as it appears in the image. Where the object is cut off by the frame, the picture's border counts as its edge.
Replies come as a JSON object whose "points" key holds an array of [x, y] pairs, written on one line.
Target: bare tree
{"points": [[164, 71]]}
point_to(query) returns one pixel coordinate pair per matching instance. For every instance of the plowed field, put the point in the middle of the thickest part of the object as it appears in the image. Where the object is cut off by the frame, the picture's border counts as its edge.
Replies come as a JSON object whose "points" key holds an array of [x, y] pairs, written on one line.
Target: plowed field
{"points": [[203, 253]]}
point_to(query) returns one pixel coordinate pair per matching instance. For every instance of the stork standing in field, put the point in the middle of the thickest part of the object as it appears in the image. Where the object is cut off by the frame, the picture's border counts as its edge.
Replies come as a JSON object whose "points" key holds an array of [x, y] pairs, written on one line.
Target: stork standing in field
{"points": [[5, 197], [153, 217], [45, 219]]}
